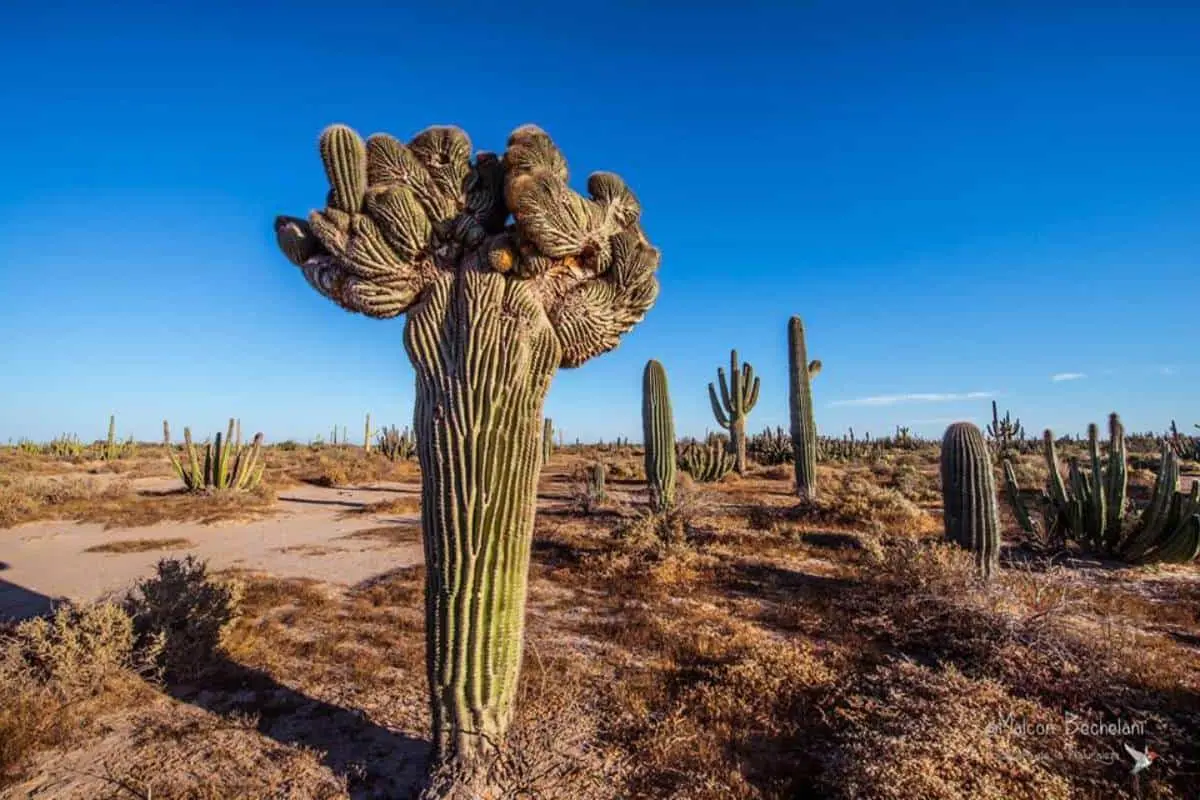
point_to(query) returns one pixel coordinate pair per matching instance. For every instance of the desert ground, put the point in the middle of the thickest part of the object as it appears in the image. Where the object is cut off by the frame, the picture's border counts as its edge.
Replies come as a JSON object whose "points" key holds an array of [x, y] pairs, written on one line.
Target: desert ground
{"points": [[744, 646]]}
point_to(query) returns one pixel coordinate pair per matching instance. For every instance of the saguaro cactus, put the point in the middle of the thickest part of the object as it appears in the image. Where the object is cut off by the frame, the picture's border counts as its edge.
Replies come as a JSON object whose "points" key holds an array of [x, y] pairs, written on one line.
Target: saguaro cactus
{"points": [[804, 426], [367, 434], [493, 309], [547, 440], [658, 435], [738, 396], [969, 495]]}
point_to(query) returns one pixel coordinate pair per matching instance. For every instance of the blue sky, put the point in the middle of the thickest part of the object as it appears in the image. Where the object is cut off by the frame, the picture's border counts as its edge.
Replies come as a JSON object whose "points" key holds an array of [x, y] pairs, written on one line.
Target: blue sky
{"points": [[961, 200]]}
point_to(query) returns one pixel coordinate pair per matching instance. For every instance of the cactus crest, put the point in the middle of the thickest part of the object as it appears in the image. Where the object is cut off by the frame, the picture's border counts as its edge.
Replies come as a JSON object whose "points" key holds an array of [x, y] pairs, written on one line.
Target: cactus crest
{"points": [[972, 518]]}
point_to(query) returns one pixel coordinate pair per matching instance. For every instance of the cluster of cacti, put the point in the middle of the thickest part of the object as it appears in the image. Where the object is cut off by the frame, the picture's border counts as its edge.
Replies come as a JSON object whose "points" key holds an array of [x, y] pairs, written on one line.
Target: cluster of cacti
{"points": [[1090, 507], [706, 462], [658, 437], [547, 439], [66, 446], [850, 448], [972, 519], [771, 447], [1184, 446], [395, 444], [738, 396], [111, 449], [227, 463], [335, 439], [493, 309], [804, 426], [29, 446]]}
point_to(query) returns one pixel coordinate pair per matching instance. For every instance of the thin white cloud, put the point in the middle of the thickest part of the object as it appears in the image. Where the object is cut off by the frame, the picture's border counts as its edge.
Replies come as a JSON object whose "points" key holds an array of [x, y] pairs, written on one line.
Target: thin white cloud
{"points": [[1168, 370], [912, 397], [1068, 376]]}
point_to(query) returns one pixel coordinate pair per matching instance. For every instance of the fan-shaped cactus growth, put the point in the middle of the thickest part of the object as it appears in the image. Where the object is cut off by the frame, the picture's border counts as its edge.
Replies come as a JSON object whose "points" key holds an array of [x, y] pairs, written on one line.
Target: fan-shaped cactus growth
{"points": [[1091, 507], [493, 309], [227, 464], [737, 399], [804, 426], [658, 436], [969, 496], [706, 462]]}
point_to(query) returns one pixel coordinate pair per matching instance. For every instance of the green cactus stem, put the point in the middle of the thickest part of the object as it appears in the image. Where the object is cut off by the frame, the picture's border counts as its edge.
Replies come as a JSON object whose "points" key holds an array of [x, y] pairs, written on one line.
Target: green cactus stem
{"points": [[367, 435], [547, 440], [972, 519], [658, 435], [706, 462], [738, 397], [494, 307], [227, 465], [804, 426]]}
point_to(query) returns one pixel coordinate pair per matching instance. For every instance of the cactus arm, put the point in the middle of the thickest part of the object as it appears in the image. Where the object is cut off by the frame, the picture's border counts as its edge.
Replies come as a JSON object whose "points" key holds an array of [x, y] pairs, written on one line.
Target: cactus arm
{"points": [[1013, 491], [717, 410], [752, 400], [1098, 515]]}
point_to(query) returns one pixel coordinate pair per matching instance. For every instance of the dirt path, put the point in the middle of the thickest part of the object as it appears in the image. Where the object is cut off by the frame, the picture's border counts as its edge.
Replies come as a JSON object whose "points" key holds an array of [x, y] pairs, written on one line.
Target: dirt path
{"points": [[310, 536]]}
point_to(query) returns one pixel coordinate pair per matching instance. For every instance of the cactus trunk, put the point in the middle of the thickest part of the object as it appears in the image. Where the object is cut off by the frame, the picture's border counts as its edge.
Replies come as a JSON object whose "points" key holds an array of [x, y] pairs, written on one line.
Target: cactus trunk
{"points": [[658, 432], [804, 426], [484, 355], [969, 496]]}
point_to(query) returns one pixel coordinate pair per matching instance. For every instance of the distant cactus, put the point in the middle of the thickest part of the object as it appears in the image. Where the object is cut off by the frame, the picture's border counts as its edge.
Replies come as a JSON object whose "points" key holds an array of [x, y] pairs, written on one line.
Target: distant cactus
{"points": [[396, 445], [804, 426], [547, 440], [706, 462], [737, 399], [111, 451], [66, 446], [227, 463], [658, 435], [972, 518], [596, 482], [1004, 431], [771, 447], [493, 308], [368, 434]]}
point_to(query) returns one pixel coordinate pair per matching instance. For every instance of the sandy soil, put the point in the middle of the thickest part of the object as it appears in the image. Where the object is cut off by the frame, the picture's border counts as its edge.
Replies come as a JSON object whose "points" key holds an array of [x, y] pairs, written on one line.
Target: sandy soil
{"points": [[43, 561]]}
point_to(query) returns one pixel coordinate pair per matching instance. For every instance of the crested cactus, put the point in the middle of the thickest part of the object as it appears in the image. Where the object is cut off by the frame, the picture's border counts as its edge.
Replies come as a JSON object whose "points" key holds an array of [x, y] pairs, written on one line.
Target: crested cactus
{"points": [[737, 399], [547, 440], [706, 462], [658, 436], [804, 426], [493, 309], [227, 463], [972, 518]]}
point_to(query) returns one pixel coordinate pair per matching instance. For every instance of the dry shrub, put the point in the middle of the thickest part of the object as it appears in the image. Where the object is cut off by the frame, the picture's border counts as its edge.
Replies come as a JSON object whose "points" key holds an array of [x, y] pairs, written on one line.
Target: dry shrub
{"points": [[925, 567], [184, 615], [57, 673], [913, 731], [625, 469], [25, 500], [676, 527], [854, 501]]}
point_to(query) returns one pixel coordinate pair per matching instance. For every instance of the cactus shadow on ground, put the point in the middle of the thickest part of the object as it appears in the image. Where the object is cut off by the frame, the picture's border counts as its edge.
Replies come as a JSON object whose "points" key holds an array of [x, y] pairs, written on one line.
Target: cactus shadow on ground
{"points": [[377, 762]]}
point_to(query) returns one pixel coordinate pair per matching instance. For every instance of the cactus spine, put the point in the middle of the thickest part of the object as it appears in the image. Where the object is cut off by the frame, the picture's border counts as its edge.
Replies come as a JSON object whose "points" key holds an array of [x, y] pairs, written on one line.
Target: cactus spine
{"points": [[737, 399], [658, 433], [547, 440], [972, 518], [804, 426]]}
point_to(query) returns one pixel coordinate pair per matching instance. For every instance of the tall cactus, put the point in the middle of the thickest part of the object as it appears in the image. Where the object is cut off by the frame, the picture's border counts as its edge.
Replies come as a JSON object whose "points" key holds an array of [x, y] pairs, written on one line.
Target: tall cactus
{"points": [[658, 435], [367, 435], [737, 399], [972, 517], [493, 309], [547, 440], [804, 426]]}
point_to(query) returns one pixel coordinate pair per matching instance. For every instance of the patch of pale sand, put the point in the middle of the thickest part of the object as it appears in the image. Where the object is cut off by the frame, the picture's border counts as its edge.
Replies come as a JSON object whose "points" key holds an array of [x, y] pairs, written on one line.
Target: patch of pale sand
{"points": [[46, 559]]}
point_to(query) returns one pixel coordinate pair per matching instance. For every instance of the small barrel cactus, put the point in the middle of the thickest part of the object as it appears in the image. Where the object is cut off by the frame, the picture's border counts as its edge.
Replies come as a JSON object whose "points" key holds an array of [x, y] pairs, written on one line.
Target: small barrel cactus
{"points": [[658, 432], [804, 426], [969, 496]]}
